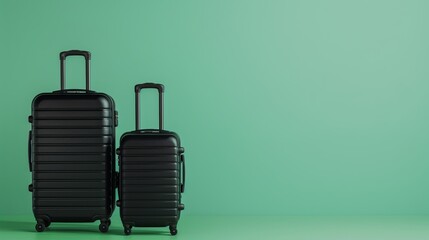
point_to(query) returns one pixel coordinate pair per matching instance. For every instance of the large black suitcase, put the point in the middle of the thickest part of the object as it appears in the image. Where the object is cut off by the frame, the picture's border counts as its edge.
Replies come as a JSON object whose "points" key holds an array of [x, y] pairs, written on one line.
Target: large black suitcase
{"points": [[151, 174], [71, 154]]}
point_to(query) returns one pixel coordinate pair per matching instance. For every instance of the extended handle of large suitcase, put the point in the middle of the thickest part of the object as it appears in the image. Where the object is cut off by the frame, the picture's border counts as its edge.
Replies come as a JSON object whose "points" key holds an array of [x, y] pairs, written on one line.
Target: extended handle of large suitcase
{"points": [[64, 55], [160, 89]]}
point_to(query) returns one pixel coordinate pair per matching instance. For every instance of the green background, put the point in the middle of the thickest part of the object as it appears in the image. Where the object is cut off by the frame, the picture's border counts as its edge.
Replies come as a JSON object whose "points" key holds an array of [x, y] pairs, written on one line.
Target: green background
{"points": [[284, 107]]}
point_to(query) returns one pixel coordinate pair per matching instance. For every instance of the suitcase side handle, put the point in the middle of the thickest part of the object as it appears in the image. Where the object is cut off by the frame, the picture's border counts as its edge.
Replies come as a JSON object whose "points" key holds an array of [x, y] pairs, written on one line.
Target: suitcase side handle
{"points": [[182, 185], [64, 55], [160, 89], [29, 152]]}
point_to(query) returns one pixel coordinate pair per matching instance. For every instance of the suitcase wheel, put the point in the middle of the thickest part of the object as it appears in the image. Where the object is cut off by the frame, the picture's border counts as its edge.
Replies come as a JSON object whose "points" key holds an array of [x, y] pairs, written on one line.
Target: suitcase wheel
{"points": [[173, 230], [127, 229], [104, 226], [40, 227]]}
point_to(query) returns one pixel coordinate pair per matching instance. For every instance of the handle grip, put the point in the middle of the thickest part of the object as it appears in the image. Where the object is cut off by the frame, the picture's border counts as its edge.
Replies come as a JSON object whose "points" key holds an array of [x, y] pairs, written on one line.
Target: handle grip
{"points": [[30, 164], [116, 179], [182, 185], [64, 55], [158, 86], [85, 54], [160, 89]]}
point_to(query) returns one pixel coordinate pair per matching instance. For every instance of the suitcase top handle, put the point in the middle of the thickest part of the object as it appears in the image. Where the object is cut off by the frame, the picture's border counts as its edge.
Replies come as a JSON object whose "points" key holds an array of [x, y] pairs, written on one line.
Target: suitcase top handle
{"points": [[64, 55], [160, 89]]}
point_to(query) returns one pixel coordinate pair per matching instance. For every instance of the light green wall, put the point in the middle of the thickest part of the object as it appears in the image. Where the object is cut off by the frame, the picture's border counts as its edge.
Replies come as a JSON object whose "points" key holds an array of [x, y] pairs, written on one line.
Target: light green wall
{"points": [[284, 107]]}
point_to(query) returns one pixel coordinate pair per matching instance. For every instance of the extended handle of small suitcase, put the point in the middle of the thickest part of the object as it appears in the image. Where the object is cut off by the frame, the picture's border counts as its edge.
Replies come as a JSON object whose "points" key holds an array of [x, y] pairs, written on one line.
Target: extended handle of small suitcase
{"points": [[64, 55], [160, 89], [30, 164]]}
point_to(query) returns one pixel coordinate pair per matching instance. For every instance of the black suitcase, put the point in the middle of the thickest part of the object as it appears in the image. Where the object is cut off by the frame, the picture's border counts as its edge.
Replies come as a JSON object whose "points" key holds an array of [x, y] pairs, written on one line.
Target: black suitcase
{"points": [[71, 154], [151, 174]]}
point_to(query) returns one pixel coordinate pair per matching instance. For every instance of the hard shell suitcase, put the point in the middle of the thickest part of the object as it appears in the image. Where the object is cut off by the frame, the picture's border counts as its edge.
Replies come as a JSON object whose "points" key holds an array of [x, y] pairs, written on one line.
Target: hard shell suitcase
{"points": [[71, 154], [151, 174]]}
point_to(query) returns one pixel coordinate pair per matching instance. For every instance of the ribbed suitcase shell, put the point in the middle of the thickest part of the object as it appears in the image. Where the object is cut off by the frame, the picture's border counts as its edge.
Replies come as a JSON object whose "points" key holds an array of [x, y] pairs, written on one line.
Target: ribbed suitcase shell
{"points": [[151, 175], [73, 142], [149, 188]]}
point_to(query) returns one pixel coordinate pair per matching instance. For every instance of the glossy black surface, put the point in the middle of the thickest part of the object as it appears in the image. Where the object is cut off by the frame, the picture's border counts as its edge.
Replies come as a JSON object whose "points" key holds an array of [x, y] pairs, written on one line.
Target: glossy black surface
{"points": [[72, 157], [151, 173], [150, 179]]}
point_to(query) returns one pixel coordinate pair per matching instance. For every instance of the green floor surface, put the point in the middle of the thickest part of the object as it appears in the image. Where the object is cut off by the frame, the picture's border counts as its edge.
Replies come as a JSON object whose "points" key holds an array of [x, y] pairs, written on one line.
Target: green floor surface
{"points": [[235, 227]]}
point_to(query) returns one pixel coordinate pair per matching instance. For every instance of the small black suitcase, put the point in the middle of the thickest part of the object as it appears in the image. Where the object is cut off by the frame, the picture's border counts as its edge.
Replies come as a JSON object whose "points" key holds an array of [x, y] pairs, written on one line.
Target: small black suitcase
{"points": [[71, 154], [151, 174]]}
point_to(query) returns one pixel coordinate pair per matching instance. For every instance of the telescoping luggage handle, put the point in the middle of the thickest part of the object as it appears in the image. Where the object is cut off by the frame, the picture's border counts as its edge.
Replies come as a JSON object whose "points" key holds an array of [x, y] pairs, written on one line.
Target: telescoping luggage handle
{"points": [[160, 89], [64, 55]]}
